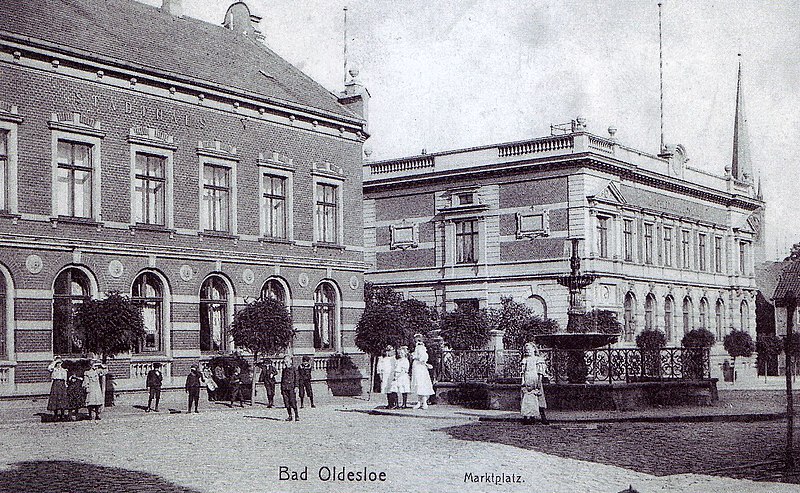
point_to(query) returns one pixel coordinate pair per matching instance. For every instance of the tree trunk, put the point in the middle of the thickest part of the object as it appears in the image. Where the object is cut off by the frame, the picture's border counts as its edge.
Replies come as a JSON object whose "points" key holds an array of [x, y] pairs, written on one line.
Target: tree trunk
{"points": [[371, 376], [253, 379]]}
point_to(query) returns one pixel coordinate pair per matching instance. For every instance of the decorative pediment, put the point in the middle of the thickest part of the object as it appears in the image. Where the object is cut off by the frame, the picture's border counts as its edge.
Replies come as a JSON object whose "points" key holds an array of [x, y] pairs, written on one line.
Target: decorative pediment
{"points": [[149, 136], [610, 194], [325, 168], [276, 160], [9, 112], [215, 148], [754, 222], [75, 122]]}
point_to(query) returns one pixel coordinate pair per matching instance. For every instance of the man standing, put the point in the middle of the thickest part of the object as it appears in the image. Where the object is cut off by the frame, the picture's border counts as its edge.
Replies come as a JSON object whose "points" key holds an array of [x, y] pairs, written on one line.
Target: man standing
{"points": [[235, 383], [288, 383], [154, 380], [304, 380], [268, 373], [193, 382]]}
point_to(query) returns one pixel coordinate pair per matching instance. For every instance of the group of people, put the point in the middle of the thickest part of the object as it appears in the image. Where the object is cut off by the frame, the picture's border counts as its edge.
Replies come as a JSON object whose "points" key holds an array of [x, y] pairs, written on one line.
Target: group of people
{"points": [[393, 370], [72, 390], [291, 378]]}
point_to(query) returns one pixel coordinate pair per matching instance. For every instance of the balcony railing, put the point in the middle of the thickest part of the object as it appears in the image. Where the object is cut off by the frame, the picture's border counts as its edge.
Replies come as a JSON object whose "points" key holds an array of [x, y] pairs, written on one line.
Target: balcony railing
{"points": [[606, 365]]}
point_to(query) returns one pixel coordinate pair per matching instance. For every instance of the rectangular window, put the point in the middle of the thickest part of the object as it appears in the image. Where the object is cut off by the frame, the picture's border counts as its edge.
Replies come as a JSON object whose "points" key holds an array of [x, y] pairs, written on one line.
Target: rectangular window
{"points": [[717, 254], [216, 198], [742, 257], [149, 189], [466, 242], [327, 213], [275, 210], [466, 198], [668, 247], [74, 179], [648, 243], [467, 305], [627, 238], [4, 191], [701, 251], [685, 249], [602, 236]]}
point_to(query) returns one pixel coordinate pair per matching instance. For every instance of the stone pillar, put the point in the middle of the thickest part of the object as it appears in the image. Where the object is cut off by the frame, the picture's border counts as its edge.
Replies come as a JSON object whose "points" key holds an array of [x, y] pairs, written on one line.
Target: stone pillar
{"points": [[496, 344]]}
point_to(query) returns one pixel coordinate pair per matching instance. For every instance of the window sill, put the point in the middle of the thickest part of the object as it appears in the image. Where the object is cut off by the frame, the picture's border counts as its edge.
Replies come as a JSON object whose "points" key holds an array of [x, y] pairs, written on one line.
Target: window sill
{"points": [[218, 234], [4, 214], [272, 239], [330, 246], [150, 357], [87, 221], [150, 227]]}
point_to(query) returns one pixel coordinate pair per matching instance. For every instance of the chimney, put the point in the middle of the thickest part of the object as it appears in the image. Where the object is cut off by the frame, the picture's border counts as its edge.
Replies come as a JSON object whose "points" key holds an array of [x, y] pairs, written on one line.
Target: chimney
{"points": [[174, 7], [239, 19], [355, 96]]}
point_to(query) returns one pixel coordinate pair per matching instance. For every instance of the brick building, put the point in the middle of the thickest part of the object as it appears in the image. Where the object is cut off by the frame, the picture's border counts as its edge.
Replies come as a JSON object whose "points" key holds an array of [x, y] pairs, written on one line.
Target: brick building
{"points": [[673, 247], [179, 162]]}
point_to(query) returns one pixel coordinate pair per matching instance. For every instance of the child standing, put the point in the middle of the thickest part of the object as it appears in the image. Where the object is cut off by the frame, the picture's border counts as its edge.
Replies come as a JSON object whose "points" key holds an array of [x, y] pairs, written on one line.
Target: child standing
{"points": [[288, 383], [94, 391], [304, 380], [58, 390], [420, 376], [154, 381], [193, 382], [268, 373], [386, 364], [401, 383], [533, 401]]}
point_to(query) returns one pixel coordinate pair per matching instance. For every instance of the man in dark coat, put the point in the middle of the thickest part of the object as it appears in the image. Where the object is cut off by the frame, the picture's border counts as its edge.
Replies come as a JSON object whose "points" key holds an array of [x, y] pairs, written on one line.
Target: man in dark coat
{"points": [[235, 383], [154, 380], [304, 380], [193, 382], [268, 373], [288, 383]]}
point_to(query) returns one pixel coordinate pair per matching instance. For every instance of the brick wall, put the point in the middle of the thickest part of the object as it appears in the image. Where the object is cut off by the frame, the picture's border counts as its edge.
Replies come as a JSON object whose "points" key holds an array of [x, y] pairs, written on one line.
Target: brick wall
{"points": [[533, 192], [185, 339], [33, 341], [31, 372], [536, 248], [402, 259], [33, 309]]}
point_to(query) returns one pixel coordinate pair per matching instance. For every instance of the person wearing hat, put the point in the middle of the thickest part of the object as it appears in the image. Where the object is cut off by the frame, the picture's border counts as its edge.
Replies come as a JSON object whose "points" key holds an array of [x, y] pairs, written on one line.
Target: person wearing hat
{"points": [[94, 391], [401, 382], [386, 364], [154, 381], [268, 374], [58, 402], [304, 380], [193, 383], [288, 383], [420, 376]]}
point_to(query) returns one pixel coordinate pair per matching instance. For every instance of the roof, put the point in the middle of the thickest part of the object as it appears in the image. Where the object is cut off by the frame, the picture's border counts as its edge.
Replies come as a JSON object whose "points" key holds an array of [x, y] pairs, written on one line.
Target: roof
{"points": [[147, 37], [767, 275], [789, 281]]}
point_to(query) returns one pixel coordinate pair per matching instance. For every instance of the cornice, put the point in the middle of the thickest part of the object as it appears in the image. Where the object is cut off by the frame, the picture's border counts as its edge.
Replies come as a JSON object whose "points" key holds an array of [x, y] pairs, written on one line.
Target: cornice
{"points": [[171, 83]]}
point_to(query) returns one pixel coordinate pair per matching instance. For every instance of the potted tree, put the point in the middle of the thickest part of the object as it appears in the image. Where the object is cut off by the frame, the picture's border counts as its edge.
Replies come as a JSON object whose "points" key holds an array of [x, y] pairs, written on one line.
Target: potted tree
{"points": [[695, 346], [650, 343], [112, 325], [263, 327], [738, 343], [768, 346]]}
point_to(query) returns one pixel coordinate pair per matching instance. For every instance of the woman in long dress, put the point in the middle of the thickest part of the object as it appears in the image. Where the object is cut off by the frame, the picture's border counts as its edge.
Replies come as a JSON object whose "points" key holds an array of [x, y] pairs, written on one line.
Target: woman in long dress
{"points": [[533, 401], [58, 402], [76, 395], [420, 376], [94, 391], [386, 372], [401, 382]]}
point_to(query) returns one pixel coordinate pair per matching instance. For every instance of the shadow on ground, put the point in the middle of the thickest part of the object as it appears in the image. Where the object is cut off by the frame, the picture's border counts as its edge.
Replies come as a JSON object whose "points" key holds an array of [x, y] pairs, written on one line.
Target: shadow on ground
{"points": [[50, 476], [737, 450]]}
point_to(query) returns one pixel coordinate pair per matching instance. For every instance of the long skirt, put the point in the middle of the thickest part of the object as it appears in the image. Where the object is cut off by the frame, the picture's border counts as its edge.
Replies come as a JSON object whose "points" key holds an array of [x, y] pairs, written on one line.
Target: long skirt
{"points": [[58, 396], [421, 379], [532, 400], [76, 396]]}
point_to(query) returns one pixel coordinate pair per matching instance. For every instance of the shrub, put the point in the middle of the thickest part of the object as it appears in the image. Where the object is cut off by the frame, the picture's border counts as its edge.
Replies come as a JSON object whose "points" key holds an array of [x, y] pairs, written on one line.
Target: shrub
{"points": [[698, 338], [768, 347], [263, 327], [389, 319], [651, 340], [739, 343], [601, 321], [519, 323], [112, 325], [465, 329]]}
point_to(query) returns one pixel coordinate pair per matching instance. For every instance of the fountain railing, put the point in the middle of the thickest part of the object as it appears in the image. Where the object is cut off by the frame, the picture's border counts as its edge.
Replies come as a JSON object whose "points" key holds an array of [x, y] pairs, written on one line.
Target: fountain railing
{"points": [[604, 365]]}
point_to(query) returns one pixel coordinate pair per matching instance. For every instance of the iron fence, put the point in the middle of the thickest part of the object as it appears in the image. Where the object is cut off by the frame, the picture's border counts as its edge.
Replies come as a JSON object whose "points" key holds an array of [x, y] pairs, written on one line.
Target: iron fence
{"points": [[605, 365]]}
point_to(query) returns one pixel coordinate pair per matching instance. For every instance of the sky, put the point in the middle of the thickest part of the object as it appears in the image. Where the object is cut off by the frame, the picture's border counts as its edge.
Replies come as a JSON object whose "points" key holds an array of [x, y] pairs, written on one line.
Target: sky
{"points": [[451, 74]]}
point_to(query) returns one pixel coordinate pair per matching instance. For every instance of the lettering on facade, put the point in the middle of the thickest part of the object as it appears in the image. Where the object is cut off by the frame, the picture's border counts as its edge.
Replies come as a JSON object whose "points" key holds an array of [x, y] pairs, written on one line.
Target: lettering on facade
{"points": [[150, 111]]}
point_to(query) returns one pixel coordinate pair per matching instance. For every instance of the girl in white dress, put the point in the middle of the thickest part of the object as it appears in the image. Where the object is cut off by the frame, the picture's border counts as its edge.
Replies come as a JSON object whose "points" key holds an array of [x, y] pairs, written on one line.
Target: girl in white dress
{"points": [[386, 365], [533, 369], [420, 376], [94, 390], [401, 382]]}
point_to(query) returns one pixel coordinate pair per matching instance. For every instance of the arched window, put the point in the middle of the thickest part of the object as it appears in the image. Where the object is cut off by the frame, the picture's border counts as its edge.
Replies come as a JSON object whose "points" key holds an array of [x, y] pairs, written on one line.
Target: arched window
{"points": [[71, 288], [148, 293], [649, 312], [537, 305], [687, 314], [325, 317], [719, 319], [630, 316], [669, 310], [744, 314], [273, 289], [213, 314], [704, 313]]}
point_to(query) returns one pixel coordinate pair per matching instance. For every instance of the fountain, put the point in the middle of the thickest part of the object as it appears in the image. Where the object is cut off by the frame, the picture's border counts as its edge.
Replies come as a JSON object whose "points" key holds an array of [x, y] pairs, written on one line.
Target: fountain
{"points": [[574, 339]]}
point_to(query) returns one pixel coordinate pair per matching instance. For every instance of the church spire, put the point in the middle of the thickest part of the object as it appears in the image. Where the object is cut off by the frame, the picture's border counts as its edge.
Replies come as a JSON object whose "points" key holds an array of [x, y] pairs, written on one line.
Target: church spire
{"points": [[740, 165]]}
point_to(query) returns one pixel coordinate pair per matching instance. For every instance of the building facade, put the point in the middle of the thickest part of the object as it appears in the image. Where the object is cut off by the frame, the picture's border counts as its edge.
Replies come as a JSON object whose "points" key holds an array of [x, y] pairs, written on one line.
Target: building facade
{"points": [[181, 163], [672, 247]]}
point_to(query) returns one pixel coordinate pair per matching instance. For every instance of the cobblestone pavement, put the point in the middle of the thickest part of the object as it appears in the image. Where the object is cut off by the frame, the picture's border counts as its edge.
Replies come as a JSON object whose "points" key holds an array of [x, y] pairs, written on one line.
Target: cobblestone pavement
{"points": [[227, 450]]}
